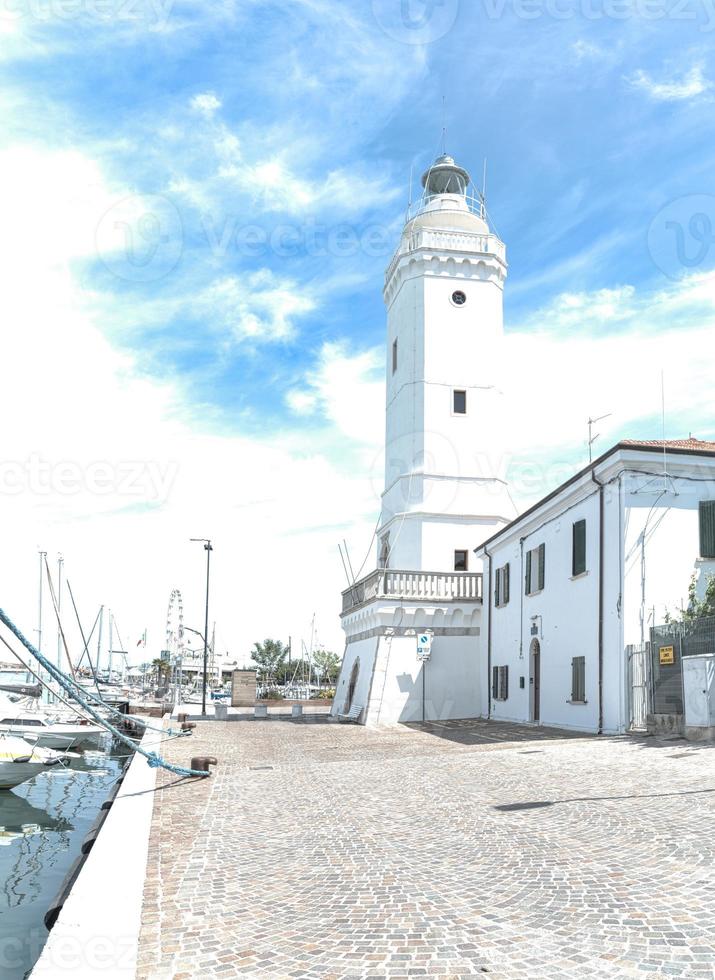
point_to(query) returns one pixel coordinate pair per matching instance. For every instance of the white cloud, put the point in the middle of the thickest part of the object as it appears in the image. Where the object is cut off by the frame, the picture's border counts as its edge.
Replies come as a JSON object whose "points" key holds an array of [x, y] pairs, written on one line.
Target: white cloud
{"points": [[348, 389], [206, 103], [688, 86], [590, 354], [258, 306], [117, 474], [586, 51]]}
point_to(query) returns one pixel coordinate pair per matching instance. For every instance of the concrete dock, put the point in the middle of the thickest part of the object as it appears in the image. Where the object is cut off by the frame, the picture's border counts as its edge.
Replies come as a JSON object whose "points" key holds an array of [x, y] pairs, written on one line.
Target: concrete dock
{"points": [[447, 850]]}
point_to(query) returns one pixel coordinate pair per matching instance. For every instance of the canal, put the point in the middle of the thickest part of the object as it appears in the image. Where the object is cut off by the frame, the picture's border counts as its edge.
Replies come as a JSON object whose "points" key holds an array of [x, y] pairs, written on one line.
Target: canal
{"points": [[42, 825]]}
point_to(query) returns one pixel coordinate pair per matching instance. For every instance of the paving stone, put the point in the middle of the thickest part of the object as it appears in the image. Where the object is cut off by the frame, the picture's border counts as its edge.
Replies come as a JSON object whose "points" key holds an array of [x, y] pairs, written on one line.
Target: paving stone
{"points": [[414, 852]]}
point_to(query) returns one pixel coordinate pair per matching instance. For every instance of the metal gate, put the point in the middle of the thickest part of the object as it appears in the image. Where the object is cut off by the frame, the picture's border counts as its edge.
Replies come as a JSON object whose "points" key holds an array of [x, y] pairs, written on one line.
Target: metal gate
{"points": [[638, 686]]}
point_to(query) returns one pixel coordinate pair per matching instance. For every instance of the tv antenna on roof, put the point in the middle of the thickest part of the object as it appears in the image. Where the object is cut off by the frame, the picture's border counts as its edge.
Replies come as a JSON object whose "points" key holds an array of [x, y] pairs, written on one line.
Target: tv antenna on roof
{"points": [[591, 437]]}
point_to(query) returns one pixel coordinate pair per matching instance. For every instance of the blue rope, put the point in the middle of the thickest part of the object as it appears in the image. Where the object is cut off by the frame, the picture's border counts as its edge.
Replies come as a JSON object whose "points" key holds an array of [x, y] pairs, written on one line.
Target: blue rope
{"points": [[155, 761], [99, 700]]}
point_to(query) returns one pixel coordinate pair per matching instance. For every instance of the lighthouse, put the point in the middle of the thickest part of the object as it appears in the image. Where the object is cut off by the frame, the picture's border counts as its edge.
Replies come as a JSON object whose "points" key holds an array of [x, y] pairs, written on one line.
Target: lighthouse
{"points": [[413, 625]]}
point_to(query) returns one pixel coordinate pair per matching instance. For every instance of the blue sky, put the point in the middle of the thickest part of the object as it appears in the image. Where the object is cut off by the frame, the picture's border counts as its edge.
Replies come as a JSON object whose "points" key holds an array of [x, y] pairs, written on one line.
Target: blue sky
{"points": [[256, 158]]}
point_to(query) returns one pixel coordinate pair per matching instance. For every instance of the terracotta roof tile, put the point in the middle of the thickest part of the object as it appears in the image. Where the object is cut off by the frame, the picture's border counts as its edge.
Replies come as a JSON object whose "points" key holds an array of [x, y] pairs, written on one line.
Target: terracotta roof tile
{"points": [[690, 443]]}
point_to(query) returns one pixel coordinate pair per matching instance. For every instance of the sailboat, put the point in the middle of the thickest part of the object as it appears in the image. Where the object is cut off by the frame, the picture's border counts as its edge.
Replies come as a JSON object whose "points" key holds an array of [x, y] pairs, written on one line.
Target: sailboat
{"points": [[20, 761], [26, 719]]}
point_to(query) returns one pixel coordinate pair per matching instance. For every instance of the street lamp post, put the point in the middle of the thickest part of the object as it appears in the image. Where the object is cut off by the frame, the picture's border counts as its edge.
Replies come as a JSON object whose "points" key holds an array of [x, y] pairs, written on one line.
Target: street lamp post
{"points": [[208, 549]]}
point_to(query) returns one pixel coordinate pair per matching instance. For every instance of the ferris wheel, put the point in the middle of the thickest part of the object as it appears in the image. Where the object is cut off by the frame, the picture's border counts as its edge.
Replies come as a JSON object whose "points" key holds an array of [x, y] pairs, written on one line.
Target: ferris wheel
{"points": [[175, 625]]}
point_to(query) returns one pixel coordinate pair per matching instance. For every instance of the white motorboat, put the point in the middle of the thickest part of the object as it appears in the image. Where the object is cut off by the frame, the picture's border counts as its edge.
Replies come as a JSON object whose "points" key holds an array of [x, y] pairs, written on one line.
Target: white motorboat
{"points": [[20, 761], [43, 728]]}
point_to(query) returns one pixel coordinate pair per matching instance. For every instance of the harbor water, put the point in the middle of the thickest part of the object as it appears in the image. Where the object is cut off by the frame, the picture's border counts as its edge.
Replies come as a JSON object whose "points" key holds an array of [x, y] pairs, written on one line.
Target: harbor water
{"points": [[42, 825]]}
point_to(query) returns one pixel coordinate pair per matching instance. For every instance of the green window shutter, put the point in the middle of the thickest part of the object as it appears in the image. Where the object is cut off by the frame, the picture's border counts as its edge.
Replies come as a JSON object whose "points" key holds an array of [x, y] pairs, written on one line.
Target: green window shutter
{"points": [[497, 582], [578, 679], [495, 682], [578, 553], [574, 680], [527, 577], [506, 584], [542, 564], [505, 692], [707, 528]]}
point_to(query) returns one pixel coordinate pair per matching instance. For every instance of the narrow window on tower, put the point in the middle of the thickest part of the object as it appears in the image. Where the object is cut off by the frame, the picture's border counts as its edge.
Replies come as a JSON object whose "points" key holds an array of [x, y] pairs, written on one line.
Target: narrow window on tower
{"points": [[459, 402], [394, 356], [460, 561]]}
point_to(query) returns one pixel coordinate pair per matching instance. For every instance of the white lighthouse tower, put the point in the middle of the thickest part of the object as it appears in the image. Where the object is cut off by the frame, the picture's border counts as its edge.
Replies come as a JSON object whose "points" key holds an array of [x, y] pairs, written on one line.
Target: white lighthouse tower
{"points": [[412, 626]]}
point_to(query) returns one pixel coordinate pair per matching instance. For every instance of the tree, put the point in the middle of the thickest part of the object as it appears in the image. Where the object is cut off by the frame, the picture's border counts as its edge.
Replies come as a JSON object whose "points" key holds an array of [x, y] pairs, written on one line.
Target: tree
{"points": [[270, 657], [328, 664], [162, 669], [696, 609]]}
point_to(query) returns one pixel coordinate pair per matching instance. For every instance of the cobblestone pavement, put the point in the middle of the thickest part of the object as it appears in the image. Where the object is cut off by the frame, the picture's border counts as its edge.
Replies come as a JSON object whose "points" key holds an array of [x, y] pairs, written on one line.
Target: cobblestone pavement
{"points": [[329, 851]]}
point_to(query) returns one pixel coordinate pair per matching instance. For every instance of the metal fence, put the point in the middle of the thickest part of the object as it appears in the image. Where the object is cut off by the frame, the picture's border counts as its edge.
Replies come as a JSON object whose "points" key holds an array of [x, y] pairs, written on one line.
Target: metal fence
{"points": [[639, 686], [669, 643]]}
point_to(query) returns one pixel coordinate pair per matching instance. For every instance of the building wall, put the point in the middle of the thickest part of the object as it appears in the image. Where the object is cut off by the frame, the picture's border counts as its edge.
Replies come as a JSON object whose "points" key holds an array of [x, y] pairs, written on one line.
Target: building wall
{"points": [[446, 686], [440, 464], [564, 616], [362, 652], [383, 634], [661, 546], [637, 580]]}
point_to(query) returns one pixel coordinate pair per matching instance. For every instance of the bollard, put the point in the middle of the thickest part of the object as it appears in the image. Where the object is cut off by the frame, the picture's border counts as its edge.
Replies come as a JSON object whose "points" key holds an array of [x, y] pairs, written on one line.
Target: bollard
{"points": [[202, 762], [260, 711], [182, 716], [297, 711], [188, 726]]}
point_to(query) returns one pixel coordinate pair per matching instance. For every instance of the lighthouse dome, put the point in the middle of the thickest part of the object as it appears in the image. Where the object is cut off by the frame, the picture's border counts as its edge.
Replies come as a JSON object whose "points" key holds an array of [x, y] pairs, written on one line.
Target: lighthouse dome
{"points": [[446, 203]]}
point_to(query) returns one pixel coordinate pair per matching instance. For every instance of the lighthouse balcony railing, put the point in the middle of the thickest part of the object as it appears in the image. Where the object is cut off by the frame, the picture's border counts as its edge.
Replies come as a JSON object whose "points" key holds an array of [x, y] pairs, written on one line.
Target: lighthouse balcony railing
{"points": [[473, 200], [455, 241], [395, 583]]}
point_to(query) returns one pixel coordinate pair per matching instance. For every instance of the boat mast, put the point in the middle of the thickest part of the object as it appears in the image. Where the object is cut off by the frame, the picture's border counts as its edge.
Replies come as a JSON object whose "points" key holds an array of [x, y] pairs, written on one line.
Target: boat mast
{"points": [[111, 640], [99, 637], [60, 563], [43, 556]]}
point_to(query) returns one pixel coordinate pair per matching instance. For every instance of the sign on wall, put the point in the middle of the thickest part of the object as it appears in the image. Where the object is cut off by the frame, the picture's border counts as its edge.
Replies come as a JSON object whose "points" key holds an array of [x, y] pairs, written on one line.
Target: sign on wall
{"points": [[666, 655], [424, 646]]}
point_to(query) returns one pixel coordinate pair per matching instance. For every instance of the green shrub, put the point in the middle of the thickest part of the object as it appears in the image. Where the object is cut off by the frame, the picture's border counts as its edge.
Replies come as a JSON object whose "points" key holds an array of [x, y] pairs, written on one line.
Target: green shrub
{"points": [[272, 696]]}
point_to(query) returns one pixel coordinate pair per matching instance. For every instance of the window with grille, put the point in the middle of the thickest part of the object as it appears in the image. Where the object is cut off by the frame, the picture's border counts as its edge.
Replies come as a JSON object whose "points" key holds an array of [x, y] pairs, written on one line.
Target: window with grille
{"points": [[707, 528], [501, 586], [578, 679], [535, 575], [578, 549], [500, 683]]}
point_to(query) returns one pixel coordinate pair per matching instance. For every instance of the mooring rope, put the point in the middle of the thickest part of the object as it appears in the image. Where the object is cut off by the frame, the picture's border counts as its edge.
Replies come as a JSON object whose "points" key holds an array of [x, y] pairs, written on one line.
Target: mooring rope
{"points": [[138, 721], [155, 761]]}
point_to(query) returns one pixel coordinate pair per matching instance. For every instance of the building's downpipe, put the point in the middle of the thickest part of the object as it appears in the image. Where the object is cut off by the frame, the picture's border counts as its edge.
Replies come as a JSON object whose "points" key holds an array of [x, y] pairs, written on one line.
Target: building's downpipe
{"points": [[601, 549], [489, 636]]}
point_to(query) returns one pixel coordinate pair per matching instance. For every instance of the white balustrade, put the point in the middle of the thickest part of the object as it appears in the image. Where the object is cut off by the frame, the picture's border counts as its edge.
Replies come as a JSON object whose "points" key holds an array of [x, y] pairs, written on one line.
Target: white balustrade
{"points": [[407, 584]]}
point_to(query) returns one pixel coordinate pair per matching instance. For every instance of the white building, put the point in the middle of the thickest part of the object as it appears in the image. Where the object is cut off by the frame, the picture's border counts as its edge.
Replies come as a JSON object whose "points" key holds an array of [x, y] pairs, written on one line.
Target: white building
{"points": [[443, 489], [583, 574], [571, 583]]}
